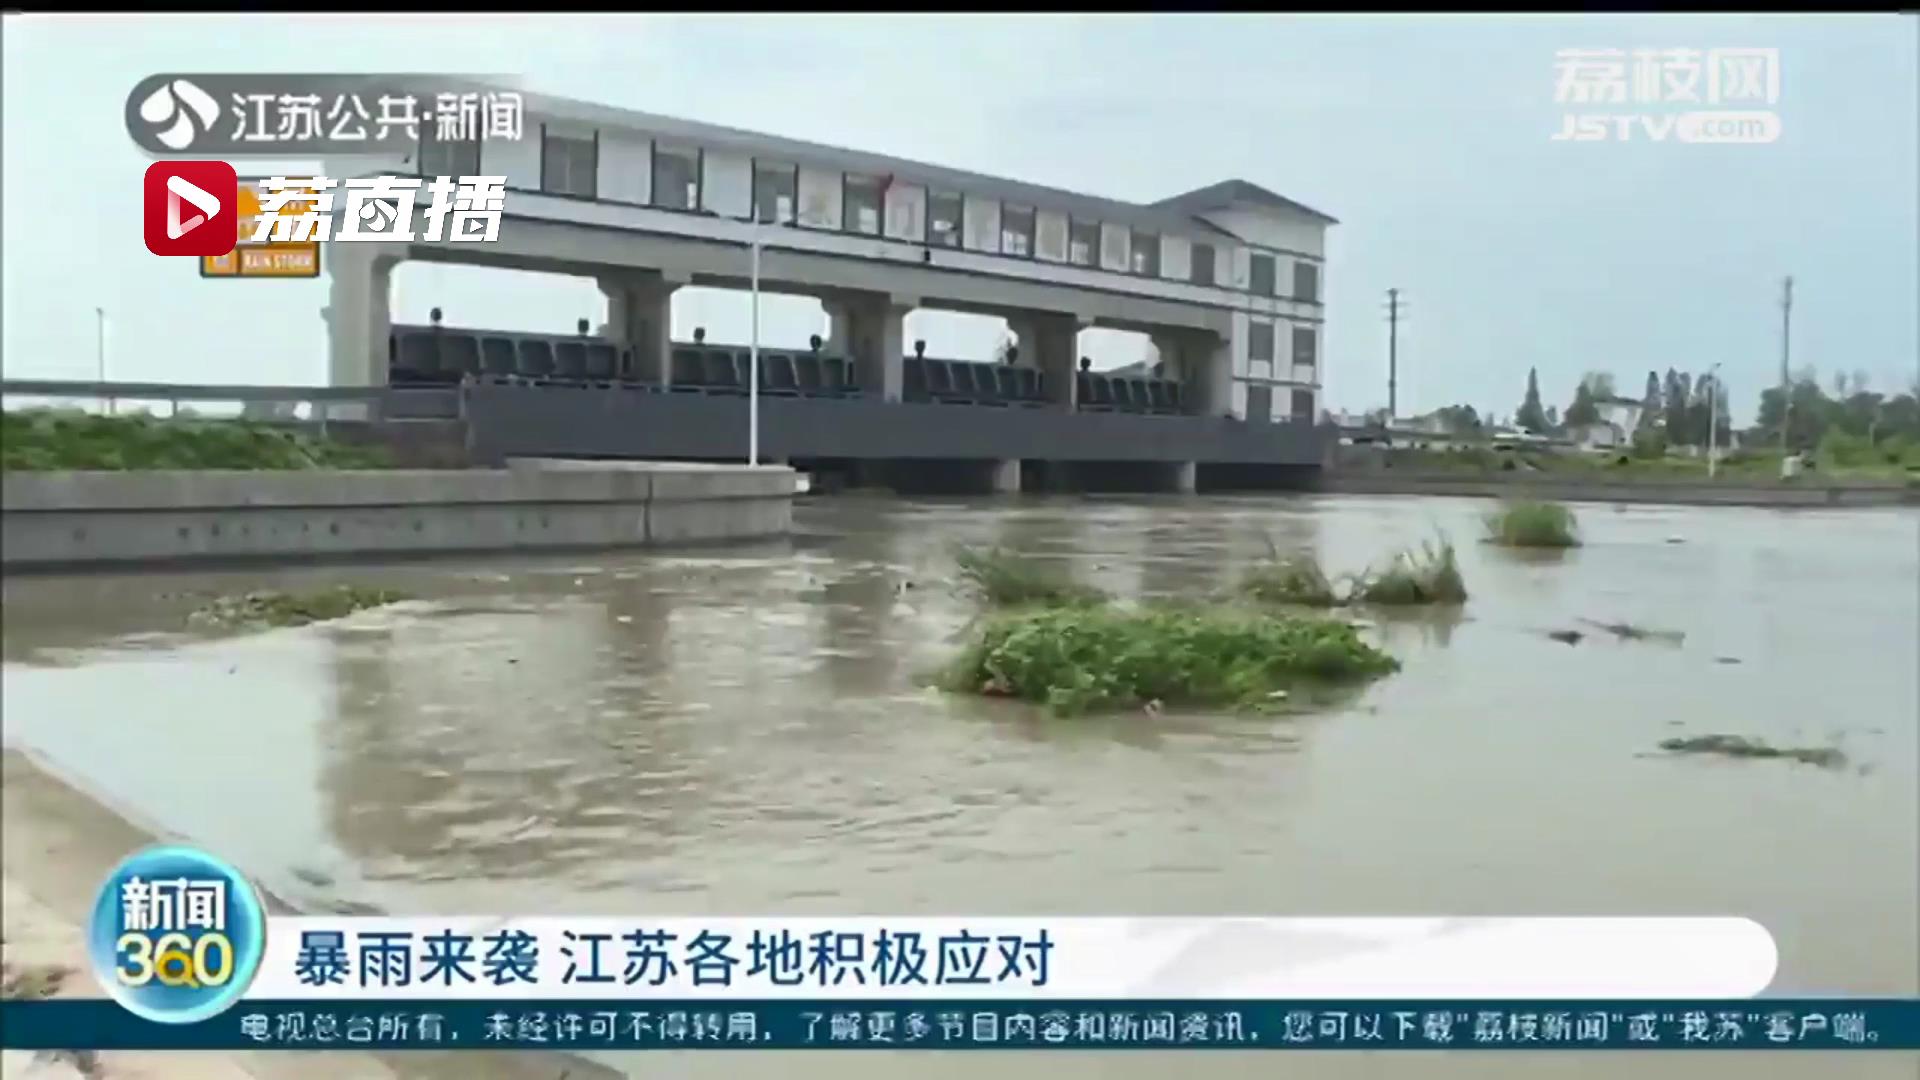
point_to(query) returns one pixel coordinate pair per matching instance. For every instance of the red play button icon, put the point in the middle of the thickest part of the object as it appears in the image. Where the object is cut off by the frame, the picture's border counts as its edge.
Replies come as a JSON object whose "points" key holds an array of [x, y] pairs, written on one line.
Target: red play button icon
{"points": [[191, 208]]}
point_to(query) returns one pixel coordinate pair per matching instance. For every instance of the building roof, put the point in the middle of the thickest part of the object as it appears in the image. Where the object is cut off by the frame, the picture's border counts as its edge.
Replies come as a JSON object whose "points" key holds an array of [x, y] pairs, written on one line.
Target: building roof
{"points": [[1173, 214], [1228, 193]]}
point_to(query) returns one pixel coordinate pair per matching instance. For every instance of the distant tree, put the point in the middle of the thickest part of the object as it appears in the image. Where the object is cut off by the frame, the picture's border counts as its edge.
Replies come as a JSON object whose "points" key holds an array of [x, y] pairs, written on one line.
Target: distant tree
{"points": [[1531, 416], [1650, 411], [1673, 407], [1005, 346], [1458, 420], [1582, 411], [1553, 417], [1703, 410], [1900, 415], [1599, 384], [1809, 414]]}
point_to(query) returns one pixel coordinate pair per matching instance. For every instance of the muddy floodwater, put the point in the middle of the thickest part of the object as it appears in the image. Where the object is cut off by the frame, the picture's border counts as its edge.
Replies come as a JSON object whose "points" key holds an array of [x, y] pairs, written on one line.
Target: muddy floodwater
{"points": [[750, 732]]}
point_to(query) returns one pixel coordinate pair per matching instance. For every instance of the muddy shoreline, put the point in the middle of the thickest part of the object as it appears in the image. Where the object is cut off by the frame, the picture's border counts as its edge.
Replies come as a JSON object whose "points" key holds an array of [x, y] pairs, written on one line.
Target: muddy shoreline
{"points": [[56, 846]]}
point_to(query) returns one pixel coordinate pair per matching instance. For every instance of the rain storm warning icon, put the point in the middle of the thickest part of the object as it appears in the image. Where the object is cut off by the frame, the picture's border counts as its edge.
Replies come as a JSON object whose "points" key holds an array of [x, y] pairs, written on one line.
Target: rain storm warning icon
{"points": [[180, 112]]}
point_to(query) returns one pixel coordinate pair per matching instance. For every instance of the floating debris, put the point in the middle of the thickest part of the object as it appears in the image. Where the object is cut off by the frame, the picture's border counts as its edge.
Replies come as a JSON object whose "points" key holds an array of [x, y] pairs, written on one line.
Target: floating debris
{"points": [[1630, 632], [1566, 637], [31, 982], [292, 609], [1726, 659], [313, 877], [1739, 746]]}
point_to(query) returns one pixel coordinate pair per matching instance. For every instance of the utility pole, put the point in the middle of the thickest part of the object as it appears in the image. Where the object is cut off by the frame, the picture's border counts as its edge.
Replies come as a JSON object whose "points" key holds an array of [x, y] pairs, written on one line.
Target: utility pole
{"points": [[1393, 355], [100, 350], [1713, 421], [753, 350], [1786, 344]]}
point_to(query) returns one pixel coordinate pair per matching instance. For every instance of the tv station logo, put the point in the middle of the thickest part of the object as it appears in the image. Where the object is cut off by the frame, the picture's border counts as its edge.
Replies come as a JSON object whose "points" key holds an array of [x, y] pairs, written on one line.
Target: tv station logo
{"points": [[176, 935], [225, 115]]}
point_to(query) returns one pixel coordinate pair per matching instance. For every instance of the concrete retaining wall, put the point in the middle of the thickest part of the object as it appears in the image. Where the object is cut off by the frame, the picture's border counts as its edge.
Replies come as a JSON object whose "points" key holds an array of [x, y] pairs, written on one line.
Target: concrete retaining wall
{"points": [[54, 520], [1797, 493]]}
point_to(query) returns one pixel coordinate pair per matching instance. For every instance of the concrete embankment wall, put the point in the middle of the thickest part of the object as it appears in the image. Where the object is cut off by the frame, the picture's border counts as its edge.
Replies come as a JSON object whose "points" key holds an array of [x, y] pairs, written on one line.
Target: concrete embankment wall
{"points": [[1801, 493], [75, 519]]}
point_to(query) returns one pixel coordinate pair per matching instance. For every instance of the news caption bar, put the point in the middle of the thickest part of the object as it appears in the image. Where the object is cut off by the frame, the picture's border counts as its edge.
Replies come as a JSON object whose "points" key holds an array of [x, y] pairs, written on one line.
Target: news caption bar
{"points": [[1004, 1024], [179, 941]]}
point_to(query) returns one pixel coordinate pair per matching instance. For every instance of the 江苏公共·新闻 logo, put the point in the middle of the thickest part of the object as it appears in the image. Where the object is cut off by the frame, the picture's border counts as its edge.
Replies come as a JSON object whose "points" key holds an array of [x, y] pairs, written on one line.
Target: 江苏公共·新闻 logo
{"points": [[179, 112], [1683, 95]]}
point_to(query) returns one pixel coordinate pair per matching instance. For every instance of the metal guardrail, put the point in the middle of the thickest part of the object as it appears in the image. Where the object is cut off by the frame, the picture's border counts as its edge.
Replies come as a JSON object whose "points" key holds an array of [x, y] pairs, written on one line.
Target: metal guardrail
{"points": [[326, 402]]}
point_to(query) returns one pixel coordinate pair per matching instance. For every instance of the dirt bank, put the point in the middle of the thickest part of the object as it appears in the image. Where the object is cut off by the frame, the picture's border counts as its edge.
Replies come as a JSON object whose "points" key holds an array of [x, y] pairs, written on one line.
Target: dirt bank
{"points": [[1537, 485], [56, 846]]}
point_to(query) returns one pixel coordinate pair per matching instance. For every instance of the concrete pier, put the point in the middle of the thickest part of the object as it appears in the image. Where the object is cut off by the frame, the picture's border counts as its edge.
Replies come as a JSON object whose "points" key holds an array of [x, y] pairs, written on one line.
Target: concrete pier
{"points": [[79, 519]]}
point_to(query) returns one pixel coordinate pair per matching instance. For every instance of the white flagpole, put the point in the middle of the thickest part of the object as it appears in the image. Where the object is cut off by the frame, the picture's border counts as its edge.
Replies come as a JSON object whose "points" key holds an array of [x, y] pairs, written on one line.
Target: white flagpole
{"points": [[753, 355]]}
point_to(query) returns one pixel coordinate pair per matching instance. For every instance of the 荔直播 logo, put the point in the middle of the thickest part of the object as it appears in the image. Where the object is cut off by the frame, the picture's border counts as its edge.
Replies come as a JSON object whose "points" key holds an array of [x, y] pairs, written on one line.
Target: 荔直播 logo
{"points": [[179, 112], [177, 935], [192, 208]]}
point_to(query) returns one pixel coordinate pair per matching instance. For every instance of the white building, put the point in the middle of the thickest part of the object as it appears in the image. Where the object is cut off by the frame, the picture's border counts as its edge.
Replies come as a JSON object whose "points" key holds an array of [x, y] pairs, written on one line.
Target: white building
{"points": [[1619, 419], [1227, 280]]}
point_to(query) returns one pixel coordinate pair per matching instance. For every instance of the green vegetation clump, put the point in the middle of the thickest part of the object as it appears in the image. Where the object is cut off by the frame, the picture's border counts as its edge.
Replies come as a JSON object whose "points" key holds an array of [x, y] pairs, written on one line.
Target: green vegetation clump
{"points": [[1078, 659], [293, 609], [1429, 574], [1525, 523], [1295, 580], [1739, 746], [63, 439], [1004, 579]]}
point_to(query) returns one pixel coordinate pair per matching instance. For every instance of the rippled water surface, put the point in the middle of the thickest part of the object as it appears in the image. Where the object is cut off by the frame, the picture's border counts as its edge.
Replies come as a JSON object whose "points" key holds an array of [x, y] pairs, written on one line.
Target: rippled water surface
{"points": [[750, 732]]}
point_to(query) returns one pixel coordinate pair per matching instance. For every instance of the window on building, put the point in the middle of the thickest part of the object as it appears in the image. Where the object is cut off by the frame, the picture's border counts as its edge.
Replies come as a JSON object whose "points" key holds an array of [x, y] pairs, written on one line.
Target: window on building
{"points": [[1306, 282], [1016, 230], [454, 158], [1083, 242], [776, 192], [1305, 346], [568, 164], [863, 204], [676, 178], [1260, 341], [1259, 404], [1146, 253], [1303, 405], [1261, 279], [1203, 264], [944, 212]]}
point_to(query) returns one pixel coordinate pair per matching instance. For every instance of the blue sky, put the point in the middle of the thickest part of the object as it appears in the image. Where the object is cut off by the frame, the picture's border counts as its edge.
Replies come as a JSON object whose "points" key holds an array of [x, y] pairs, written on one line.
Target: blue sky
{"points": [[1426, 136]]}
